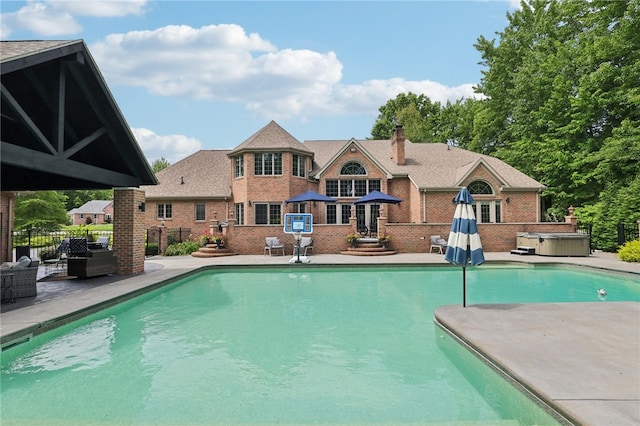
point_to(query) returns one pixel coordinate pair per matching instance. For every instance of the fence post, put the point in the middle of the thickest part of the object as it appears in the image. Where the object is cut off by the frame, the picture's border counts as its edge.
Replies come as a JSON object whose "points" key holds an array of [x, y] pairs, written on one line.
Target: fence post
{"points": [[620, 233]]}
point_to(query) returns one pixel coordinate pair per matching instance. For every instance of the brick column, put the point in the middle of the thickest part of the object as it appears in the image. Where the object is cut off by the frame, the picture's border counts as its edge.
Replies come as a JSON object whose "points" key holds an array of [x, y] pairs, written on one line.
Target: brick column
{"points": [[571, 218], [129, 230], [163, 238]]}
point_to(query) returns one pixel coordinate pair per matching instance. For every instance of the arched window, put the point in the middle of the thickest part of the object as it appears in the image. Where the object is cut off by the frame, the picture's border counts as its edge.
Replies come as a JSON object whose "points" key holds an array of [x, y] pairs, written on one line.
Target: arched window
{"points": [[480, 187], [353, 168]]}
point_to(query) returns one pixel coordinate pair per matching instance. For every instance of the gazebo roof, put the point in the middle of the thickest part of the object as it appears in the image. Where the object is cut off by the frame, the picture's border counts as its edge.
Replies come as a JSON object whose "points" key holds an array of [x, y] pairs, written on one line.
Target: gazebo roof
{"points": [[61, 127]]}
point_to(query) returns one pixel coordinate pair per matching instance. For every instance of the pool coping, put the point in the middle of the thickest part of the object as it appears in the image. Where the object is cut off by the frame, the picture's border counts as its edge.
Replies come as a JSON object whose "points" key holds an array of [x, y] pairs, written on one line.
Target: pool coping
{"points": [[21, 324], [593, 379]]}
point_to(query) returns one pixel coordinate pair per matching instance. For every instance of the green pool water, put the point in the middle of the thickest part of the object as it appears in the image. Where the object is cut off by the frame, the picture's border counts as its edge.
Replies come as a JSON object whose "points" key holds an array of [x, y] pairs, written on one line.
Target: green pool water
{"points": [[299, 345]]}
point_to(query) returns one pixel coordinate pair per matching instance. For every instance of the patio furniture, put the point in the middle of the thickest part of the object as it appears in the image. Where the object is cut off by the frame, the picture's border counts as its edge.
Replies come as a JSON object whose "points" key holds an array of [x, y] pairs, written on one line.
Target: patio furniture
{"points": [[306, 244], [272, 244], [94, 263], [77, 247], [438, 243], [19, 279]]}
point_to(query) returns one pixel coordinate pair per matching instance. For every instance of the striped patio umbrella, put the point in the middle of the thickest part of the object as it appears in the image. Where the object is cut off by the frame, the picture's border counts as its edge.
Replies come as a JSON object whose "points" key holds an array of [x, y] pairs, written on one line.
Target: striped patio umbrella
{"points": [[464, 246]]}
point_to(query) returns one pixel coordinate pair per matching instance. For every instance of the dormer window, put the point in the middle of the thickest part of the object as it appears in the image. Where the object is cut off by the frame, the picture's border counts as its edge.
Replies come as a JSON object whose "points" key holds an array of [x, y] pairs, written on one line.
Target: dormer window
{"points": [[353, 168]]}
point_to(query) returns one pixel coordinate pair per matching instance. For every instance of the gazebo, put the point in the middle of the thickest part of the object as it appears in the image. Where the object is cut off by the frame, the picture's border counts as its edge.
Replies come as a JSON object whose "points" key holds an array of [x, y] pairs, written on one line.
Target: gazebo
{"points": [[62, 129]]}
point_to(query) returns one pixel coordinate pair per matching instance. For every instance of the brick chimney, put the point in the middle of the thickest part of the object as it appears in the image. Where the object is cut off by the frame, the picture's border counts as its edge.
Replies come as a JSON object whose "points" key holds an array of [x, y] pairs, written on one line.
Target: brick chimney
{"points": [[397, 145]]}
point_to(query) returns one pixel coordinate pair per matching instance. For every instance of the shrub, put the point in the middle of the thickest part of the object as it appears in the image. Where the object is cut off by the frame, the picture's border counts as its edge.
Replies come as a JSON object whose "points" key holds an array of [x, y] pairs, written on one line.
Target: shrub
{"points": [[630, 251], [151, 249], [182, 249], [352, 238], [48, 254]]}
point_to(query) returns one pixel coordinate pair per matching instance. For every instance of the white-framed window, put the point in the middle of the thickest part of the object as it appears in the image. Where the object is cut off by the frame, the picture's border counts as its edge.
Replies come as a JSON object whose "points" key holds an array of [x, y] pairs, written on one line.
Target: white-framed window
{"points": [[351, 187], [299, 207], [338, 213], [165, 211], [488, 211], [299, 165], [480, 187], [239, 166], [267, 214], [239, 208], [267, 164], [200, 212], [353, 168]]}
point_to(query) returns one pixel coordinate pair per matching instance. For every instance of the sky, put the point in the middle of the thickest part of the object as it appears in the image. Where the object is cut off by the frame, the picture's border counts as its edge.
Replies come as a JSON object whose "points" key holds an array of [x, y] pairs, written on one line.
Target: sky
{"points": [[191, 75]]}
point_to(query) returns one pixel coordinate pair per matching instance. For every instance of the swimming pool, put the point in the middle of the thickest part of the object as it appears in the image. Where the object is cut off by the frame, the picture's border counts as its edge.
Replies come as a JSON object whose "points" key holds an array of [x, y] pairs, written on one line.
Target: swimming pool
{"points": [[294, 345]]}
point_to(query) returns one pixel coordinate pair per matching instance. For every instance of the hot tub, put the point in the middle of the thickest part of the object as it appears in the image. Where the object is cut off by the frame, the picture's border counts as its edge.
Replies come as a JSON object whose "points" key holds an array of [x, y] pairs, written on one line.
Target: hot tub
{"points": [[555, 244]]}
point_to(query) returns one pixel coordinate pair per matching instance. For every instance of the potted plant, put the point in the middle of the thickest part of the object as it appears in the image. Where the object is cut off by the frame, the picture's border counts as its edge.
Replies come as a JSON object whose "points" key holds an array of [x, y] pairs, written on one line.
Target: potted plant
{"points": [[352, 239], [218, 240], [205, 238], [384, 239]]}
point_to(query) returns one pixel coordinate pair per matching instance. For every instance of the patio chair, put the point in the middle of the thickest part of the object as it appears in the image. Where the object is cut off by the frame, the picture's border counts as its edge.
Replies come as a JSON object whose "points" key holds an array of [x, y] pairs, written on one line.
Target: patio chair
{"points": [[438, 243], [272, 244], [306, 244], [103, 242], [77, 247]]}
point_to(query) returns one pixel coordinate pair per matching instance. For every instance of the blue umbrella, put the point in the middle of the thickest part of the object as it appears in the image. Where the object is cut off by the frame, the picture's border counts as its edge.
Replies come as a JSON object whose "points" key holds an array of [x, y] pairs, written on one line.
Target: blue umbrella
{"points": [[464, 246], [310, 196], [378, 197]]}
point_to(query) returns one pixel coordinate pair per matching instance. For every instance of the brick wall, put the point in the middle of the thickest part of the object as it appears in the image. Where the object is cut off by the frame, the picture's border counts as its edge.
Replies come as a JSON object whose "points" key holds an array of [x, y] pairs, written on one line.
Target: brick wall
{"points": [[129, 230], [406, 238], [6, 225]]}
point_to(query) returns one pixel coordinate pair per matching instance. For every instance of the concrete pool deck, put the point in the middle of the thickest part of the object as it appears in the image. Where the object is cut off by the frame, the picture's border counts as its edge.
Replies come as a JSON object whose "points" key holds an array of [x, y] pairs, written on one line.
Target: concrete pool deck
{"points": [[580, 358]]}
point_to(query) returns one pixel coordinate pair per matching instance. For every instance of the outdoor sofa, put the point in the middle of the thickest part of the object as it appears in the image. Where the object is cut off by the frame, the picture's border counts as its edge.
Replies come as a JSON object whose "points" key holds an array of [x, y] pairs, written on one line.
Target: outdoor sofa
{"points": [[92, 263], [19, 278]]}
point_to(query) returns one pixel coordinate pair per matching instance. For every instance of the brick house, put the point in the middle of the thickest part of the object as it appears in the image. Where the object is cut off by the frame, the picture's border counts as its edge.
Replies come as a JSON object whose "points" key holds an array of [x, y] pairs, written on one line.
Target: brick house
{"points": [[247, 186], [98, 211]]}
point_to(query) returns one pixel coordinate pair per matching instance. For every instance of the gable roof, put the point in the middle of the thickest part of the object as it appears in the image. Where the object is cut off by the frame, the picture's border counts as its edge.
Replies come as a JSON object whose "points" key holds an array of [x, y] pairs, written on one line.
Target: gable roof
{"points": [[270, 137], [430, 166], [205, 174], [91, 207], [93, 149]]}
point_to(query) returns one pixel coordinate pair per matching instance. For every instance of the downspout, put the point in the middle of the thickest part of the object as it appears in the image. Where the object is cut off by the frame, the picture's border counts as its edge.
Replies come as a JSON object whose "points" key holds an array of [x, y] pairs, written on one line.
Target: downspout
{"points": [[424, 206]]}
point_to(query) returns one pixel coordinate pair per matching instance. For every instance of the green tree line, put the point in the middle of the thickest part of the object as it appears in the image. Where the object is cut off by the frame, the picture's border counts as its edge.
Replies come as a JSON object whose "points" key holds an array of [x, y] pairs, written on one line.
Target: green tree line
{"points": [[559, 100]]}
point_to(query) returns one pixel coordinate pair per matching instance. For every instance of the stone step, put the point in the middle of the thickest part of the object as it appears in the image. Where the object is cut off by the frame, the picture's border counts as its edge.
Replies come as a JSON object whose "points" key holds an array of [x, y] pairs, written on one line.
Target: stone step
{"points": [[356, 252]]}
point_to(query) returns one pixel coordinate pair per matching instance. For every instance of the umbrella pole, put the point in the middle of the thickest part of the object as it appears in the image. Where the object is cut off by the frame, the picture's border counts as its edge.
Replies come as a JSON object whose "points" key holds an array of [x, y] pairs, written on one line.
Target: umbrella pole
{"points": [[464, 286]]}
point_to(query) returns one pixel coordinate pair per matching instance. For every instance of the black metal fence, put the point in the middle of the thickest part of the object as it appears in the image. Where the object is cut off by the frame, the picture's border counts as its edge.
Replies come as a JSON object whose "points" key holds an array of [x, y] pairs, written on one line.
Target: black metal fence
{"points": [[42, 244], [174, 235], [586, 229], [627, 232]]}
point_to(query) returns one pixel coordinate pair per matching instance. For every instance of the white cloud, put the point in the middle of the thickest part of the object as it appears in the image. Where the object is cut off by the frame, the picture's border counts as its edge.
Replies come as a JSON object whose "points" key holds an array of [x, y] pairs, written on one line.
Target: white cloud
{"points": [[57, 18], [225, 64], [172, 147]]}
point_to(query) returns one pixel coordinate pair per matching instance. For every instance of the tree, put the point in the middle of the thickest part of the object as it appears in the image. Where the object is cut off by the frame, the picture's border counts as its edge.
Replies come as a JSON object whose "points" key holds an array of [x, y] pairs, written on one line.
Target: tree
{"points": [[160, 164], [426, 121], [563, 101], [42, 209]]}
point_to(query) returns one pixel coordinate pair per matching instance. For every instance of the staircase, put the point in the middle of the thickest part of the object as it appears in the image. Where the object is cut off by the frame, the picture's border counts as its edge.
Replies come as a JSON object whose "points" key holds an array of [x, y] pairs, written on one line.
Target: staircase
{"points": [[524, 251], [368, 247], [212, 250]]}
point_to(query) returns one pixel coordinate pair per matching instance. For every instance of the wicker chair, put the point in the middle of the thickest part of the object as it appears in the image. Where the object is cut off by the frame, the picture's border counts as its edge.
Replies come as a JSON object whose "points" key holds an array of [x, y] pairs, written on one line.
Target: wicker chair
{"points": [[20, 282]]}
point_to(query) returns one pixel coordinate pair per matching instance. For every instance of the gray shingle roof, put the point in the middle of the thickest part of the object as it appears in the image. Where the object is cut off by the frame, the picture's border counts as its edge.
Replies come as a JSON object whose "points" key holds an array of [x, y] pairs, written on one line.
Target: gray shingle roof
{"points": [[91, 207], [11, 50], [271, 137], [430, 166], [204, 174]]}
